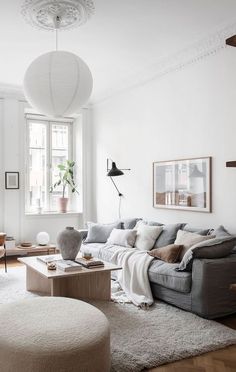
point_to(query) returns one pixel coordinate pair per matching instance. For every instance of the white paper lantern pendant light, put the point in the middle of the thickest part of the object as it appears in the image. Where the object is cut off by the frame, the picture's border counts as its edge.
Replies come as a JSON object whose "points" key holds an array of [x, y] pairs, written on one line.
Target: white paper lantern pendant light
{"points": [[57, 83]]}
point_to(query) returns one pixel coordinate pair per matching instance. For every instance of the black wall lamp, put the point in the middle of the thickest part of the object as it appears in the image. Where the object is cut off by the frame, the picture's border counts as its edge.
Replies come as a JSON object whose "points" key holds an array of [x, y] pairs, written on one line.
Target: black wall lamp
{"points": [[114, 172]]}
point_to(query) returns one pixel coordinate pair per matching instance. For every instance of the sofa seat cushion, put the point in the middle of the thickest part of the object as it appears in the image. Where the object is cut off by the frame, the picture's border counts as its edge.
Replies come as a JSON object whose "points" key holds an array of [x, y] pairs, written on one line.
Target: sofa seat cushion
{"points": [[164, 274], [93, 248], [108, 251]]}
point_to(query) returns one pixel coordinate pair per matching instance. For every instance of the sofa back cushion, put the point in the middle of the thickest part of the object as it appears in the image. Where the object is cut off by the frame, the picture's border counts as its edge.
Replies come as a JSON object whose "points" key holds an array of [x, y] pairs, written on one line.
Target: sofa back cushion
{"points": [[188, 239], [196, 230], [217, 247], [125, 238], [169, 254], [153, 223], [220, 232], [168, 235], [146, 236], [99, 233], [129, 223]]}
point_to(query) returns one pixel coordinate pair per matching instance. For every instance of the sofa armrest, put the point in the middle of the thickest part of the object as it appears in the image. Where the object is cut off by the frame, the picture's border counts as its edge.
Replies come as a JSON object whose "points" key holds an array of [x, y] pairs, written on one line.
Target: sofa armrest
{"points": [[83, 233], [211, 281]]}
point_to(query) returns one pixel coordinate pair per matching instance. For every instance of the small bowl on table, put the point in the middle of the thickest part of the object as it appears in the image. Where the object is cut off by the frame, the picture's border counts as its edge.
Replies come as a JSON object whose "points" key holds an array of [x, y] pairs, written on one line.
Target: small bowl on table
{"points": [[26, 244]]}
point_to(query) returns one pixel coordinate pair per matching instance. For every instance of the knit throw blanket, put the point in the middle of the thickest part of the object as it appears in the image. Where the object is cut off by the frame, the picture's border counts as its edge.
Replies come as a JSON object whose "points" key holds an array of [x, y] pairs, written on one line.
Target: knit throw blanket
{"points": [[133, 278]]}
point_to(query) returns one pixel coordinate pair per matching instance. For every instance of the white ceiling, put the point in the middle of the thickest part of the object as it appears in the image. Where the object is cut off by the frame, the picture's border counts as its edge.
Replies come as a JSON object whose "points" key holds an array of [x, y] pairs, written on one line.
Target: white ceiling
{"points": [[123, 38]]}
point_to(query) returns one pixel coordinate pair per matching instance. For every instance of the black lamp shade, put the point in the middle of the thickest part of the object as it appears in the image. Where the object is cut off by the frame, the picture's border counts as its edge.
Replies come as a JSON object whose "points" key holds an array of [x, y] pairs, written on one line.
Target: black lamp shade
{"points": [[114, 171]]}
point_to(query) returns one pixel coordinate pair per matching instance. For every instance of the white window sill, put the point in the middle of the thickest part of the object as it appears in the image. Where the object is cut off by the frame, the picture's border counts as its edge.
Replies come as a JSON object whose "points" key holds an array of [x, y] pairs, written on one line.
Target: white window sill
{"points": [[53, 214]]}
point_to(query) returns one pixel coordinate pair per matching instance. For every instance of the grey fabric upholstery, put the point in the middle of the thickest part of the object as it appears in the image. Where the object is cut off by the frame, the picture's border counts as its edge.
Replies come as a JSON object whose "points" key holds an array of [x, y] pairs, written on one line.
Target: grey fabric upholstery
{"points": [[220, 231], [93, 248], [129, 223], [179, 299], [99, 233], [196, 230], [213, 248], [210, 295], [83, 233], [211, 280], [153, 223], [204, 291], [168, 235], [106, 254], [164, 273]]}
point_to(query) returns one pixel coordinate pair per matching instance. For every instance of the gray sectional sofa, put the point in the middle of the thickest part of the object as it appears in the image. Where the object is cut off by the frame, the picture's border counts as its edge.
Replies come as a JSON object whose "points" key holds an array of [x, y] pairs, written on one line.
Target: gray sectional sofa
{"points": [[203, 288]]}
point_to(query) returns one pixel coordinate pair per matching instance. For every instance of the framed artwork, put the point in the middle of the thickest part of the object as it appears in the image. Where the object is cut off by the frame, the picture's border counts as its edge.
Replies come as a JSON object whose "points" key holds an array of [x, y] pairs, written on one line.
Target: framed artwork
{"points": [[183, 184], [12, 180]]}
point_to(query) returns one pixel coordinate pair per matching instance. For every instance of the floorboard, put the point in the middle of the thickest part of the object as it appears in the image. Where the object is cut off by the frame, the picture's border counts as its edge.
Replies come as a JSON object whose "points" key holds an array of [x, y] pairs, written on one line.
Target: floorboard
{"points": [[223, 360]]}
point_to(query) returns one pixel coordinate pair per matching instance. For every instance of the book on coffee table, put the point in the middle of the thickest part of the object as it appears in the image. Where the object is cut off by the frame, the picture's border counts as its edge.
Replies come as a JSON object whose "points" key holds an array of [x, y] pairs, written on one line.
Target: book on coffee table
{"points": [[89, 264], [47, 259], [68, 265]]}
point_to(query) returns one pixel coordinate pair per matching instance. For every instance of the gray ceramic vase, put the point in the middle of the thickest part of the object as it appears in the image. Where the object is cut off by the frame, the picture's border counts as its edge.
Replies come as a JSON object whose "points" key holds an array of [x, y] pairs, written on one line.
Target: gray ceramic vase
{"points": [[69, 242]]}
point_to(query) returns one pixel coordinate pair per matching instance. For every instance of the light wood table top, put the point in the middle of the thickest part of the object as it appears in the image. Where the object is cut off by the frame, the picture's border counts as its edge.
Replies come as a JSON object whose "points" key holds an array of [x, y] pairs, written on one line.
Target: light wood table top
{"points": [[39, 266]]}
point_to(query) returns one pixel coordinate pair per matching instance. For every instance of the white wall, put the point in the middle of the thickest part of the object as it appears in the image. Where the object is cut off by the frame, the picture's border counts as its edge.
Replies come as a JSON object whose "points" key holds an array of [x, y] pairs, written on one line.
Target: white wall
{"points": [[13, 219], [190, 113]]}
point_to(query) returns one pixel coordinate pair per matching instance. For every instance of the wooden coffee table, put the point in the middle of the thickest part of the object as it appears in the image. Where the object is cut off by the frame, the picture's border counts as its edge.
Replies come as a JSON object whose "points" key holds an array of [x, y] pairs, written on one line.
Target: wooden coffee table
{"points": [[82, 284]]}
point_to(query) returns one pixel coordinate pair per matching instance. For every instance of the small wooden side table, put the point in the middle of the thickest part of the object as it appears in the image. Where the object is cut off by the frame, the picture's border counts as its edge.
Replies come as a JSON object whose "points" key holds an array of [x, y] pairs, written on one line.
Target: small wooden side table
{"points": [[34, 250]]}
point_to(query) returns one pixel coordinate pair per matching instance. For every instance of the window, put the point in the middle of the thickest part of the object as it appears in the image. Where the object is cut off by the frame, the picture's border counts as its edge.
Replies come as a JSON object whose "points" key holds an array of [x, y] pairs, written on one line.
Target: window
{"points": [[49, 143]]}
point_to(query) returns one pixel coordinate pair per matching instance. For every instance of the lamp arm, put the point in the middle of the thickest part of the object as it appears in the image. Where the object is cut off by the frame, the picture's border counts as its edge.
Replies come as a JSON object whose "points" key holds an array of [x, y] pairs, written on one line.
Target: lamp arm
{"points": [[119, 193]]}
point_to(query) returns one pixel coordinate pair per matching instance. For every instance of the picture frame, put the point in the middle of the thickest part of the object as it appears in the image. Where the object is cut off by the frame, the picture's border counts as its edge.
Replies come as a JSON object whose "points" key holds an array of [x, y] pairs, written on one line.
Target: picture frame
{"points": [[183, 184], [12, 180]]}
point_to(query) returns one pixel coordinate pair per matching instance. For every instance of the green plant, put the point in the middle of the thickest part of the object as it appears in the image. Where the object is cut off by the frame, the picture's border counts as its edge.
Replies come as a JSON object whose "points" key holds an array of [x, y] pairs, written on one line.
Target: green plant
{"points": [[66, 178]]}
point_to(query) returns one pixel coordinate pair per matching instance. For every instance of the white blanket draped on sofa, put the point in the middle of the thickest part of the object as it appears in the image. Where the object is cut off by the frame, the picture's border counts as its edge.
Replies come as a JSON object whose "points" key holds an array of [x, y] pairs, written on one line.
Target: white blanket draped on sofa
{"points": [[133, 278]]}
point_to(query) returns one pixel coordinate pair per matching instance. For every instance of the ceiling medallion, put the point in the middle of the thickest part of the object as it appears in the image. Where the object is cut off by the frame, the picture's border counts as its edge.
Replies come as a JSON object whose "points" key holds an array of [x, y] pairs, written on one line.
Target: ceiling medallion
{"points": [[43, 13]]}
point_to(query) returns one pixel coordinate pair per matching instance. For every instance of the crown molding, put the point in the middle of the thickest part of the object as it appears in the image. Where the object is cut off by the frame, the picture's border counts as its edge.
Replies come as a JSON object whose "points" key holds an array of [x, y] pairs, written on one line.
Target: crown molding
{"points": [[209, 46], [11, 91]]}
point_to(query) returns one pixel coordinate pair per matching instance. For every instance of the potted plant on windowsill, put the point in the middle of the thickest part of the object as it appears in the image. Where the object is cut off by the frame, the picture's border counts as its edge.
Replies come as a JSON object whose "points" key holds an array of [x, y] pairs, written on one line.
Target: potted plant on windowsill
{"points": [[66, 179]]}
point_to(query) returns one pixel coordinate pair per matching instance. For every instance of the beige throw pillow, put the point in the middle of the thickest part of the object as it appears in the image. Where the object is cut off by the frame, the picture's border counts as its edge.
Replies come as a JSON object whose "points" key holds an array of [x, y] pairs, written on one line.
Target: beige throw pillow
{"points": [[146, 236], [188, 239], [125, 238]]}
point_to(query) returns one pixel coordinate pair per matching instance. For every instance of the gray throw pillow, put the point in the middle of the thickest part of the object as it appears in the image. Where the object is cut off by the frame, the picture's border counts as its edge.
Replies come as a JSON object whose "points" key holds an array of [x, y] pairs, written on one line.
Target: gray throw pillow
{"points": [[212, 248], [125, 238], [99, 233], [196, 230], [129, 223], [83, 233], [220, 231], [168, 235]]}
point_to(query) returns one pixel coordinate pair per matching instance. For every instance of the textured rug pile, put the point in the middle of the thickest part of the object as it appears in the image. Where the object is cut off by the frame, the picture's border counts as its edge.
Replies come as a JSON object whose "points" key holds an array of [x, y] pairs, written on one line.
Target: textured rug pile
{"points": [[142, 338]]}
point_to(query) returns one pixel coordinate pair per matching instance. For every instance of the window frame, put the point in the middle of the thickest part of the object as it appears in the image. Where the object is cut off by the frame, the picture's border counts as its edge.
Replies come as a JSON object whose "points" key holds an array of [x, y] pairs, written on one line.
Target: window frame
{"points": [[48, 122]]}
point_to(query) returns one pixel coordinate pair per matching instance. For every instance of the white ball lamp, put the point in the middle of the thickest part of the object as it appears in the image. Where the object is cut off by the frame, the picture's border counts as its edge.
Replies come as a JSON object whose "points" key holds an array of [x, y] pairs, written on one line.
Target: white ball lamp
{"points": [[42, 238], [58, 83]]}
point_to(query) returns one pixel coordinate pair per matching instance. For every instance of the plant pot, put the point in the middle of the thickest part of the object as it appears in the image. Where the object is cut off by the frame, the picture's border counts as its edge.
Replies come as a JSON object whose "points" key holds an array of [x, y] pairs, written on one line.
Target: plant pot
{"points": [[69, 242], [63, 202]]}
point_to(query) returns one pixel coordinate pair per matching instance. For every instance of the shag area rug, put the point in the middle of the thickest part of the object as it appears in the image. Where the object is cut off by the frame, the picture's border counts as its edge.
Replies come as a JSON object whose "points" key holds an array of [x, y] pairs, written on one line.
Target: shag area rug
{"points": [[142, 338]]}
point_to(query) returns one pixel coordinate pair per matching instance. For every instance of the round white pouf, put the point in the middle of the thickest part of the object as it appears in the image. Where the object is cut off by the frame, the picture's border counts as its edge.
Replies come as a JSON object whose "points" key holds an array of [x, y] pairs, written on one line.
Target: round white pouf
{"points": [[53, 334]]}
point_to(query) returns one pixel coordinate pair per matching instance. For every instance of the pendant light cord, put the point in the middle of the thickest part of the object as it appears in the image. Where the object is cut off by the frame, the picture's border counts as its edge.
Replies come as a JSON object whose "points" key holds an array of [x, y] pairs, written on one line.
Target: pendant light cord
{"points": [[56, 39], [57, 23]]}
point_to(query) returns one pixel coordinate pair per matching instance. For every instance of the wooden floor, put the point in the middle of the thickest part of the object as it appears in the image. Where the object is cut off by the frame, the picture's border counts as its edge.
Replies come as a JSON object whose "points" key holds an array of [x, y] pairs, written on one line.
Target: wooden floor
{"points": [[223, 360]]}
